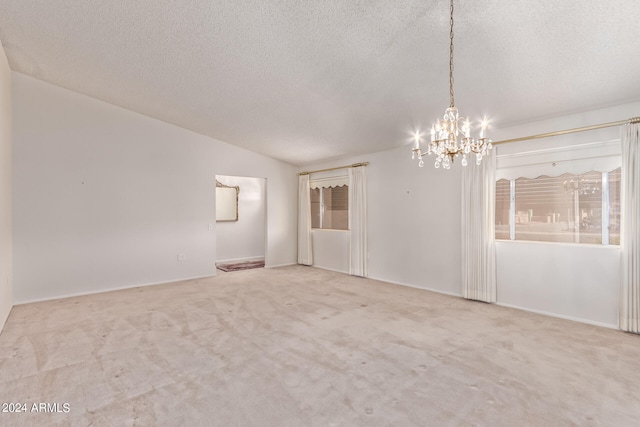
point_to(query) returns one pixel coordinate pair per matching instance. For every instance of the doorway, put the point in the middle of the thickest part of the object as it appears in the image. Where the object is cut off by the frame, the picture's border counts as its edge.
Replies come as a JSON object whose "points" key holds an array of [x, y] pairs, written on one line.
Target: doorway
{"points": [[243, 239]]}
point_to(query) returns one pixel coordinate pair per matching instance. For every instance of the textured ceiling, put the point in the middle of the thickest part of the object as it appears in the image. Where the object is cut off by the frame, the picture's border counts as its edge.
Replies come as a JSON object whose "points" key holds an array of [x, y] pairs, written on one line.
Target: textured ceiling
{"points": [[304, 80]]}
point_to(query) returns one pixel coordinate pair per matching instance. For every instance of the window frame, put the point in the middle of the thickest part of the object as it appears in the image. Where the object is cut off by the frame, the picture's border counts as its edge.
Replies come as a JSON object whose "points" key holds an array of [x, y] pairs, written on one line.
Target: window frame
{"points": [[602, 157], [322, 205]]}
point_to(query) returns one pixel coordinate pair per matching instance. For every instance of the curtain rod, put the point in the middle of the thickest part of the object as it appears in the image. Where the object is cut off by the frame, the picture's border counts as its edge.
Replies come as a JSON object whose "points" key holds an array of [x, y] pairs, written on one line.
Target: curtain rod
{"points": [[355, 165], [630, 121]]}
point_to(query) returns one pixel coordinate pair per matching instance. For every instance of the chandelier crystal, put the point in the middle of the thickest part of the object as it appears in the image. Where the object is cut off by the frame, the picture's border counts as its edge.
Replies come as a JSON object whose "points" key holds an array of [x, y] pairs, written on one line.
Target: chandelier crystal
{"points": [[451, 135]]}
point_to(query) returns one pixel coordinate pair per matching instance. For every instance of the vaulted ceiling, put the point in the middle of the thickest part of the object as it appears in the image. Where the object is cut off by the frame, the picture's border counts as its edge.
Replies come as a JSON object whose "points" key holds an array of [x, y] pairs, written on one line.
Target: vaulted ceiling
{"points": [[309, 80]]}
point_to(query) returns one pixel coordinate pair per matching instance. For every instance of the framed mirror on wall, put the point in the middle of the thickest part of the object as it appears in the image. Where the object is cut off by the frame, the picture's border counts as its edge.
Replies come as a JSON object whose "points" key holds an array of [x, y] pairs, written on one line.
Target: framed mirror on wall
{"points": [[226, 202]]}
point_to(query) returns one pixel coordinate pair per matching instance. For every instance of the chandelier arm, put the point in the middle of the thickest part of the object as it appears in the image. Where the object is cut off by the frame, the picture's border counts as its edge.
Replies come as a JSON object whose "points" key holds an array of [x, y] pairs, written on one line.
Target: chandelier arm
{"points": [[451, 103]]}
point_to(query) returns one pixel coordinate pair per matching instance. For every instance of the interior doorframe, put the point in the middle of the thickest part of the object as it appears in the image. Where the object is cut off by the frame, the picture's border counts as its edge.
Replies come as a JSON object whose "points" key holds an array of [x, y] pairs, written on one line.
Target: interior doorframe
{"points": [[264, 206]]}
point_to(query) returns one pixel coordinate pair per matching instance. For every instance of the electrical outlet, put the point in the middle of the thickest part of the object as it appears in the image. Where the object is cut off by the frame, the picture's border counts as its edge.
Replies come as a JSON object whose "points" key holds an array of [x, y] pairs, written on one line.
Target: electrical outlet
{"points": [[182, 257], [210, 227]]}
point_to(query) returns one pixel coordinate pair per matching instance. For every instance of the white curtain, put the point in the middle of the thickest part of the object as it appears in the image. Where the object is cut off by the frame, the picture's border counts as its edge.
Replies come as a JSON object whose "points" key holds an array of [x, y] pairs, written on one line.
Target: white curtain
{"points": [[478, 230], [305, 253], [358, 221], [630, 229]]}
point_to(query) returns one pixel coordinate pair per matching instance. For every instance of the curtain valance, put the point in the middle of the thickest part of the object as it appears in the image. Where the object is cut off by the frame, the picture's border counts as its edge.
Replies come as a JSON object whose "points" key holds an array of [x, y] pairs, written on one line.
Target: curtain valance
{"points": [[575, 159], [337, 181]]}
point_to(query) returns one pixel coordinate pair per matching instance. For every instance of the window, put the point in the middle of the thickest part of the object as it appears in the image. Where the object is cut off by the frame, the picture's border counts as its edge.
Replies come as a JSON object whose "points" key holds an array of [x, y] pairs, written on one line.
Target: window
{"points": [[562, 194], [578, 208], [330, 207]]}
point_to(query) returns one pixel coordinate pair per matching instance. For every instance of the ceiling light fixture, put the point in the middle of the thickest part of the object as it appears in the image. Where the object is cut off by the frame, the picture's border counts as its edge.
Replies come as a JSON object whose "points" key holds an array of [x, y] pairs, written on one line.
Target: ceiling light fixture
{"points": [[451, 135]]}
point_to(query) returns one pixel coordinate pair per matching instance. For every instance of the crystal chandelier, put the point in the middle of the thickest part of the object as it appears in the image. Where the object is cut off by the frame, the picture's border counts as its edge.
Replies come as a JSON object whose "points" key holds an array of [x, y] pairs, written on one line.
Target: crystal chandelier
{"points": [[451, 135]]}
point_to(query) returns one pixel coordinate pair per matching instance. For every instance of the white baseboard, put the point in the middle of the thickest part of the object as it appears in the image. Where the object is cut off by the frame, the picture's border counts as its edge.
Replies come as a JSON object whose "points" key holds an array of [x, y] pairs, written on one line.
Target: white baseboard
{"points": [[329, 269], [438, 291], [544, 313], [280, 265], [560, 316], [392, 282], [121, 288]]}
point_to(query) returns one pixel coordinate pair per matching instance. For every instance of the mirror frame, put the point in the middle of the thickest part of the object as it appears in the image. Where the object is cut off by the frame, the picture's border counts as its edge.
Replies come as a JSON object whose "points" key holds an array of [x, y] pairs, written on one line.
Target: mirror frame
{"points": [[226, 210]]}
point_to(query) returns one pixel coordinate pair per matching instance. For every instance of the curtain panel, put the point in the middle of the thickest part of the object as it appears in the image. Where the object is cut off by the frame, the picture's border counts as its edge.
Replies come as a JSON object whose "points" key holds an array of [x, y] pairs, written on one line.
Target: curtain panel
{"points": [[305, 252], [478, 230], [358, 221], [630, 230]]}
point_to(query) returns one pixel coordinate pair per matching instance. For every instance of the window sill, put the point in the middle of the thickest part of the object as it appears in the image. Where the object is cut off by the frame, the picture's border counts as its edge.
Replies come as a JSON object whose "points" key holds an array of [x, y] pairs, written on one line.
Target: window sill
{"points": [[535, 242]]}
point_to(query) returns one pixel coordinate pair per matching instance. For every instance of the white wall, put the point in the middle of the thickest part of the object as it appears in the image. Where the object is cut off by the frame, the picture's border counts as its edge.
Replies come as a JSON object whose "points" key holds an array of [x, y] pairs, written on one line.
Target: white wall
{"points": [[570, 121], [6, 241], [245, 238], [331, 249], [105, 198], [414, 222], [580, 282]]}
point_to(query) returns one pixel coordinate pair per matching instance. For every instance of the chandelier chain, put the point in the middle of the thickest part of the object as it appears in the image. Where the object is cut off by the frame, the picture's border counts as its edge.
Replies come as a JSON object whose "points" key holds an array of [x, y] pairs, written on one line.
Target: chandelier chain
{"points": [[451, 134], [452, 104]]}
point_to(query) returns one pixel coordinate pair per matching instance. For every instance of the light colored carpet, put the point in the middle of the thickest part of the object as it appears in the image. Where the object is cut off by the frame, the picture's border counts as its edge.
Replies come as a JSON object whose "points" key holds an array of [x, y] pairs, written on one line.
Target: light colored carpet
{"points": [[298, 346]]}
